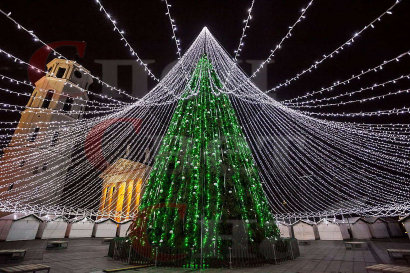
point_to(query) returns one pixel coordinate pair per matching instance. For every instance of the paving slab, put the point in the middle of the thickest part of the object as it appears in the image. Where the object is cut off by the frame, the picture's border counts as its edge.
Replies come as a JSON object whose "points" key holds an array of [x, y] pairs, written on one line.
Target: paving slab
{"points": [[89, 255]]}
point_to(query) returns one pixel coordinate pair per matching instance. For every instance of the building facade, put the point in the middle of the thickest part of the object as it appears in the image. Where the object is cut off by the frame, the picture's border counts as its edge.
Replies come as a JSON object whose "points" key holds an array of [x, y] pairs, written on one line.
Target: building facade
{"points": [[122, 188]]}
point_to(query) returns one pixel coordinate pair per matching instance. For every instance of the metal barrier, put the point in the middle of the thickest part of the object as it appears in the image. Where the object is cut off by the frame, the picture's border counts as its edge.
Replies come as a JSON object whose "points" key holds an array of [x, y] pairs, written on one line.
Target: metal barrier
{"points": [[272, 252]]}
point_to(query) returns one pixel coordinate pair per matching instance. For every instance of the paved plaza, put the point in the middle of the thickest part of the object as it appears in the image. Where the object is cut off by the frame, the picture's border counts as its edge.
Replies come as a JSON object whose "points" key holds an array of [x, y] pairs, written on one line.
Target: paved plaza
{"points": [[89, 255]]}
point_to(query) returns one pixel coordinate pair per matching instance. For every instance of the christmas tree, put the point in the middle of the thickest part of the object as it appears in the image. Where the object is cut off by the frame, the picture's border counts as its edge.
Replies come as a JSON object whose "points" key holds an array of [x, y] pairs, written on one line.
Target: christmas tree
{"points": [[204, 176]]}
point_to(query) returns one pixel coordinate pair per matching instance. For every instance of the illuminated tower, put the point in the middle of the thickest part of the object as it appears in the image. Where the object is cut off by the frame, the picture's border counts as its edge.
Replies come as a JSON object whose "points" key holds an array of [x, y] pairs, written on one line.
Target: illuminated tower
{"points": [[35, 163]]}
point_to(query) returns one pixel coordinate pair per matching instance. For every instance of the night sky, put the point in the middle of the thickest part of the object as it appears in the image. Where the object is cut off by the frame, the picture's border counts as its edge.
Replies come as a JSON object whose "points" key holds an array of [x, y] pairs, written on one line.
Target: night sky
{"points": [[327, 25]]}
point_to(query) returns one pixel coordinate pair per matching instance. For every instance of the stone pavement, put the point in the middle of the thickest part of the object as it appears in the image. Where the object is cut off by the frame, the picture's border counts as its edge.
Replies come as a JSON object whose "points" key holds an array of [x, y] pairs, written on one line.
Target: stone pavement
{"points": [[89, 255], [82, 255]]}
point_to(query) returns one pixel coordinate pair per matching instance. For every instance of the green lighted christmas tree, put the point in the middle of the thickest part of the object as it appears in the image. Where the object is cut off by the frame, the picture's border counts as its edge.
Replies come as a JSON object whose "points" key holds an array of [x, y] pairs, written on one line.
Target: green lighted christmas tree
{"points": [[205, 166]]}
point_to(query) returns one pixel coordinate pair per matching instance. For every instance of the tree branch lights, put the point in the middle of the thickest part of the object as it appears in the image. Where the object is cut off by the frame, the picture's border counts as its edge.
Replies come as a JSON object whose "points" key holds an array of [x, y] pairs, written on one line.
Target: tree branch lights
{"points": [[205, 164]]}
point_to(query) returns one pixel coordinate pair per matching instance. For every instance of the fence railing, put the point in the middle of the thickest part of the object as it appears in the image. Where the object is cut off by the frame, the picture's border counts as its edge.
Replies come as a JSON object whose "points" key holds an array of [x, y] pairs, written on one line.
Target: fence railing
{"points": [[272, 252]]}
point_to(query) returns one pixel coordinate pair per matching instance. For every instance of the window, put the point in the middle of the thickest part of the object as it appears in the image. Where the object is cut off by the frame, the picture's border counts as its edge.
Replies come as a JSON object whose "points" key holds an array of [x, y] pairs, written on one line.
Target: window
{"points": [[55, 138], [35, 171], [78, 74], [44, 166], [60, 72], [11, 187], [47, 99], [22, 163], [34, 134], [67, 104]]}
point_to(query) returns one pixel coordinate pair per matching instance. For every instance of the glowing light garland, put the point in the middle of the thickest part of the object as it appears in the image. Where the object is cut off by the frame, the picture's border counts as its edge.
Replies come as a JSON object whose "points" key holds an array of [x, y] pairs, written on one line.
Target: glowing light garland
{"points": [[376, 68], [20, 61], [336, 51], [287, 36], [246, 26], [56, 101], [402, 91], [126, 43], [37, 39], [308, 167], [350, 93], [173, 29]]}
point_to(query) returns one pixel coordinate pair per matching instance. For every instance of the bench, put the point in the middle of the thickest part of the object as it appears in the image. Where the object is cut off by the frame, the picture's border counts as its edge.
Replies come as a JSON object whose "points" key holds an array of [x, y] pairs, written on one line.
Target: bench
{"points": [[388, 268], [57, 244], [25, 268], [127, 268], [351, 245], [12, 254], [399, 254], [107, 240]]}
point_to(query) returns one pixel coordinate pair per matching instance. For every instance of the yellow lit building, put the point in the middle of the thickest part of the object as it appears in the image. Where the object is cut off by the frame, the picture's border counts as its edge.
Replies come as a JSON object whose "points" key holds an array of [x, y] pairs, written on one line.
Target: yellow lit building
{"points": [[122, 187]]}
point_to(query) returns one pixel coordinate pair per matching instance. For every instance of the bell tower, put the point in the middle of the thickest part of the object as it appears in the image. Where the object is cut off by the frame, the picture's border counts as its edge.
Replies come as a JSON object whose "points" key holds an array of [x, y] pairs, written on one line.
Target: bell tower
{"points": [[35, 163]]}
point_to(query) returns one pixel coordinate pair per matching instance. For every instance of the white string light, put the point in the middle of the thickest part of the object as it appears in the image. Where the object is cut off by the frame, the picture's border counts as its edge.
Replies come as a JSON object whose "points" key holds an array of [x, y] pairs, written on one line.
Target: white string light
{"points": [[349, 93], [126, 43], [37, 39], [100, 104], [336, 51], [287, 36], [401, 91], [18, 82], [173, 29], [20, 61], [319, 167], [376, 68], [243, 35], [394, 111], [241, 42]]}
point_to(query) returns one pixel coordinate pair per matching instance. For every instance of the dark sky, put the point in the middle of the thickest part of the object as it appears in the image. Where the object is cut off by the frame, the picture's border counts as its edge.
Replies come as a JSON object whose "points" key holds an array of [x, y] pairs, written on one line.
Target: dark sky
{"points": [[329, 23]]}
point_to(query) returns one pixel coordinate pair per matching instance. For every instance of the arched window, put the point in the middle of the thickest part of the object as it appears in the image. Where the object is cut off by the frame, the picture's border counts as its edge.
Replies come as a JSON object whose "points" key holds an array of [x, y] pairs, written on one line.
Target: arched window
{"points": [[60, 72], [47, 99]]}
